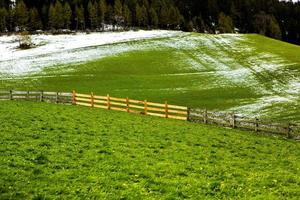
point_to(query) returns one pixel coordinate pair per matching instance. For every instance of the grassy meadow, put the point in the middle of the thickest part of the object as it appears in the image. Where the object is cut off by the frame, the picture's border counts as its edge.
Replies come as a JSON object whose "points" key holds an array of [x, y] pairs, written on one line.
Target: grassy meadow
{"points": [[53, 151], [248, 74]]}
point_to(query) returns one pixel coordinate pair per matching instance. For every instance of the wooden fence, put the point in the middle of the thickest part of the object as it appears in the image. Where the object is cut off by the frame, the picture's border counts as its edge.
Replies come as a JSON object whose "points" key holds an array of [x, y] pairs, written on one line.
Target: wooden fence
{"points": [[55, 97], [237, 121], [131, 106], [164, 110]]}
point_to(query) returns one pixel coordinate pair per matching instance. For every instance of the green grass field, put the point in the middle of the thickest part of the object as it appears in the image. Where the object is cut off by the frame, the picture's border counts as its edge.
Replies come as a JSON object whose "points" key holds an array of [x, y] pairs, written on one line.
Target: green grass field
{"points": [[248, 74], [53, 151]]}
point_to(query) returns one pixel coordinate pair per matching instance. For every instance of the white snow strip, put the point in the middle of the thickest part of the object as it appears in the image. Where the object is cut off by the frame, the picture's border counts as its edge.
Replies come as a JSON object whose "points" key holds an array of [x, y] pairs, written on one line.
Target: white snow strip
{"points": [[61, 49]]}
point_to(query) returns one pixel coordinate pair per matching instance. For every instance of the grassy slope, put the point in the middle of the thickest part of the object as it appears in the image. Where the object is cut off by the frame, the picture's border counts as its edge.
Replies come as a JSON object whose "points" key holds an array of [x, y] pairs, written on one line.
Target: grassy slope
{"points": [[194, 70], [55, 151]]}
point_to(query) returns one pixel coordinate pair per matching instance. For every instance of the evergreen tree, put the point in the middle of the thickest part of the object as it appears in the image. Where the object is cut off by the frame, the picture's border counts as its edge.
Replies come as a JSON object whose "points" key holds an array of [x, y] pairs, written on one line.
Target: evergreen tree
{"points": [[174, 18], [3, 19], [274, 29], [92, 10], [35, 22], [21, 15], [225, 24], [67, 17], [199, 24], [127, 16], [56, 16], [118, 13], [80, 22], [101, 12], [153, 18]]}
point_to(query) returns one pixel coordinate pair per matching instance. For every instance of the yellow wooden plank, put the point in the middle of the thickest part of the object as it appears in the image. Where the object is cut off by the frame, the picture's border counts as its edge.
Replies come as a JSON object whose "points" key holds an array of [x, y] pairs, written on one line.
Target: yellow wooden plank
{"points": [[177, 117], [177, 107], [100, 97], [83, 104], [156, 109], [117, 99], [100, 101], [136, 101], [83, 95], [156, 104], [118, 104], [178, 112], [134, 106], [82, 99], [98, 106], [156, 114]]}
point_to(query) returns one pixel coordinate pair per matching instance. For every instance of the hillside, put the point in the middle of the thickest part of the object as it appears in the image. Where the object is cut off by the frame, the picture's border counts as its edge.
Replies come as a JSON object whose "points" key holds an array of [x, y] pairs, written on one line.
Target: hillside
{"points": [[248, 74], [69, 152]]}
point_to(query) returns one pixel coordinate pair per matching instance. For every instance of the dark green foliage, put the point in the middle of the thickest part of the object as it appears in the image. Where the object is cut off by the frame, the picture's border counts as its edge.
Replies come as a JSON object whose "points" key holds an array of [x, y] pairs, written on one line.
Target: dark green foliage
{"points": [[35, 22], [273, 18], [21, 15], [93, 17], [225, 24], [3, 19]]}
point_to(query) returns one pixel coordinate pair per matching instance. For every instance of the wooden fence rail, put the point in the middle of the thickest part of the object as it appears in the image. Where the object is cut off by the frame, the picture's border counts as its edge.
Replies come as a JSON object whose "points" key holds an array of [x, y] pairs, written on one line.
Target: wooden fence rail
{"points": [[55, 97], [237, 121], [164, 110], [131, 106]]}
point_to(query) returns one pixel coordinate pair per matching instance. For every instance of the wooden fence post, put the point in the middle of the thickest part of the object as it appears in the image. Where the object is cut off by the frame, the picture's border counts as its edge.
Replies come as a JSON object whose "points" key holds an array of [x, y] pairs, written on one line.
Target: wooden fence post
{"points": [[288, 130], [108, 102], [205, 116], [127, 104], [256, 124], [188, 114], [92, 99], [166, 109], [74, 97], [11, 95], [233, 120], [56, 98], [145, 107], [42, 96]]}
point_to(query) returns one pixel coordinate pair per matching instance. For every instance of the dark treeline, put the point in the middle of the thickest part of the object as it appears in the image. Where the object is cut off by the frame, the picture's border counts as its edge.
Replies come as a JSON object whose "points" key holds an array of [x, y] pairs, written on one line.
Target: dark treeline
{"points": [[280, 20]]}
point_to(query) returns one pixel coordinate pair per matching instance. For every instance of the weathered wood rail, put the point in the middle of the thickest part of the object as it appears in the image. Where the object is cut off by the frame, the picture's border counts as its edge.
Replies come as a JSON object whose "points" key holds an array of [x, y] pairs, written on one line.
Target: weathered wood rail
{"points": [[164, 110], [232, 120], [42, 96]]}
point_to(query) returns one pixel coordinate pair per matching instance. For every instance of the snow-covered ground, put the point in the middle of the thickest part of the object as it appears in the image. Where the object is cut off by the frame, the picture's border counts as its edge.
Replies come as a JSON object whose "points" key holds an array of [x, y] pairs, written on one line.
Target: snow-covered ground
{"points": [[62, 49]]}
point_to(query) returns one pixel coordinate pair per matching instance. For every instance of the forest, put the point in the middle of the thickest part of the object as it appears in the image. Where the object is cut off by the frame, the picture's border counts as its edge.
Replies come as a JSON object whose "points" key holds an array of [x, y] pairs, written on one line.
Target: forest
{"points": [[272, 18]]}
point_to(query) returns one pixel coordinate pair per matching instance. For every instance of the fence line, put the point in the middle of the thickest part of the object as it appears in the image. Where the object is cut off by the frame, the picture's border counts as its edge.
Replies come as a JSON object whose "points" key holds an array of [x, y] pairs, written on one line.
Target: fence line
{"points": [[163, 110], [131, 106]]}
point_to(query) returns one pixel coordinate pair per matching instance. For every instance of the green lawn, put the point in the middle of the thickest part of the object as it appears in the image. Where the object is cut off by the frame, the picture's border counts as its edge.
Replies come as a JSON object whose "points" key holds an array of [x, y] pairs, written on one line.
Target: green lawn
{"points": [[248, 74], [53, 151]]}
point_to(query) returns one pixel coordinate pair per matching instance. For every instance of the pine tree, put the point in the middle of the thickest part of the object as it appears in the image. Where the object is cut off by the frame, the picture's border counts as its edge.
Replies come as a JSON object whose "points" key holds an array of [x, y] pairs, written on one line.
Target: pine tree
{"points": [[35, 22], [67, 17], [52, 17], [92, 10], [56, 16], [21, 15], [174, 18], [274, 28], [80, 22], [127, 15], [3, 19], [59, 15], [138, 15], [153, 18], [118, 13], [101, 12], [225, 24]]}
